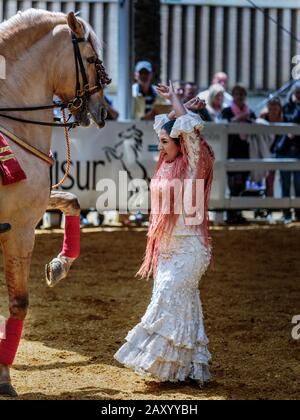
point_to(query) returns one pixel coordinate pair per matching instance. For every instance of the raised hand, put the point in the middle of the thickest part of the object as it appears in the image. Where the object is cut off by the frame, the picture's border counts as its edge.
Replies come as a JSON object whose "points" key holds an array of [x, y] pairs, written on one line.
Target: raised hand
{"points": [[195, 104], [166, 92]]}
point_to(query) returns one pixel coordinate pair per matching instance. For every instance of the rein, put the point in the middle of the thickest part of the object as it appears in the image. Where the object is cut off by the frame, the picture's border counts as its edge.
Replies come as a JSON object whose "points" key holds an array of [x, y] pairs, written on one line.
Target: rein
{"points": [[61, 182], [33, 150], [82, 94], [27, 146], [78, 103]]}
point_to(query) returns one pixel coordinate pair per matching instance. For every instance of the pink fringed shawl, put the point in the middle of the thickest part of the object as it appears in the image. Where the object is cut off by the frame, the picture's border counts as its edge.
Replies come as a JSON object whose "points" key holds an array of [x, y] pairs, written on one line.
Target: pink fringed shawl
{"points": [[162, 224]]}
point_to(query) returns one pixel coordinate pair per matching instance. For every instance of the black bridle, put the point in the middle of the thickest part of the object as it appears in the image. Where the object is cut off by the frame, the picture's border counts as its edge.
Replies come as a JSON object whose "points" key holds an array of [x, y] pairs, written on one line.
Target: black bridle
{"points": [[82, 94]]}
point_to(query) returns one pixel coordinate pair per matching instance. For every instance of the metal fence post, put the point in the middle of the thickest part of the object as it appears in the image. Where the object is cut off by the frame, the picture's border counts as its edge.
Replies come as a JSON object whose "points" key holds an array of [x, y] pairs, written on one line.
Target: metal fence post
{"points": [[125, 59]]}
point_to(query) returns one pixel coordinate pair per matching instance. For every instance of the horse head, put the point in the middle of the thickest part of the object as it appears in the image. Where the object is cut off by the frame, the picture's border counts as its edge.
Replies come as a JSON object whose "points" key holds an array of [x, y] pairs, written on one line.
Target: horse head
{"points": [[80, 76]]}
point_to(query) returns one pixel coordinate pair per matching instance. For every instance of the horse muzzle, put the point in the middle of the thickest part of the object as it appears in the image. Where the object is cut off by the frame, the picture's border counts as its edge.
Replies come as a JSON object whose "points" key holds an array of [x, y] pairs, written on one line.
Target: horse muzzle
{"points": [[100, 116]]}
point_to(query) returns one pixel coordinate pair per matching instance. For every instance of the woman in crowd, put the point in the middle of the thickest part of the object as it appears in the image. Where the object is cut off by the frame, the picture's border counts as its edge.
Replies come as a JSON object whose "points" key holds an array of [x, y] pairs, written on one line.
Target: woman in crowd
{"points": [[215, 103], [289, 147], [273, 114], [238, 146]]}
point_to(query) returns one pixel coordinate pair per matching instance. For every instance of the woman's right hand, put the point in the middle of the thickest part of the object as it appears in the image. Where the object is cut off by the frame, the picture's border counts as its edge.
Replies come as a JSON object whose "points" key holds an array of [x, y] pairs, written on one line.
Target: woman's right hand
{"points": [[195, 104]]}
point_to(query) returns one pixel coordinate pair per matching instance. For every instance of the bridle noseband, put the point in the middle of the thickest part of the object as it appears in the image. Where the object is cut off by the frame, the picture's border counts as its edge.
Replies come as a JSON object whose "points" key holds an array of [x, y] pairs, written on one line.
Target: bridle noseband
{"points": [[82, 95]]}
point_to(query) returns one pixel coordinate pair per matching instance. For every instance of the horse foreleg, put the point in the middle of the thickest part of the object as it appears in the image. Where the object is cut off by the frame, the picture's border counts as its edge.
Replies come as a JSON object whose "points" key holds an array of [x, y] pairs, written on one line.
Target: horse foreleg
{"points": [[59, 267], [17, 257]]}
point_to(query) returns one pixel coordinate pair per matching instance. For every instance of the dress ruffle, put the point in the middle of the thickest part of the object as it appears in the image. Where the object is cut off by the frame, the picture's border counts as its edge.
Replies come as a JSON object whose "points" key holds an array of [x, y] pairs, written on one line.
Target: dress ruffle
{"points": [[180, 332], [159, 122], [170, 343], [149, 353], [186, 124], [145, 364]]}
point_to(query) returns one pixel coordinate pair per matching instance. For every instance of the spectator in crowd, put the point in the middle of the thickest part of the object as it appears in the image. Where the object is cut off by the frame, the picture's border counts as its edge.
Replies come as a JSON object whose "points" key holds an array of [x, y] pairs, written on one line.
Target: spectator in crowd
{"points": [[144, 92], [238, 146], [220, 78], [273, 114], [112, 113], [215, 102], [190, 92], [289, 147]]}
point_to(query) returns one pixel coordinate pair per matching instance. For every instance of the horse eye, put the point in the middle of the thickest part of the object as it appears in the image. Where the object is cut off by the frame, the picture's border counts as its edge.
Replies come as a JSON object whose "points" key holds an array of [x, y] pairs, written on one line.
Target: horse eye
{"points": [[91, 60]]}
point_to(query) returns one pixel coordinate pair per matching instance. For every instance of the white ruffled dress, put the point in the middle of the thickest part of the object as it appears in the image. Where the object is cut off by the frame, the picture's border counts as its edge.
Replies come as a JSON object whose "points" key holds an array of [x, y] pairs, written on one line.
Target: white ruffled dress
{"points": [[170, 343]]}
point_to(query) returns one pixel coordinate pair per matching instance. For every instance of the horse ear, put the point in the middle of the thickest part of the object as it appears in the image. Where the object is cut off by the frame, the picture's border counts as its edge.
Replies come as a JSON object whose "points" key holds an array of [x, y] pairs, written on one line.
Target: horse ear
{"points": [[75, 25]]}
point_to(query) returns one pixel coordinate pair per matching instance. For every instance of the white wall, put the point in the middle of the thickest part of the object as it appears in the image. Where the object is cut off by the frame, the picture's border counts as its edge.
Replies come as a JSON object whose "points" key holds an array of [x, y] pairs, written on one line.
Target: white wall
{"points": [[200, 37]]}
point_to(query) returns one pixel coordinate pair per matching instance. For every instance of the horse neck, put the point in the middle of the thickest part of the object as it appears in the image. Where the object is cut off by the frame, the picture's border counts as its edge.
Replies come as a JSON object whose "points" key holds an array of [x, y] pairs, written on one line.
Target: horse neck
{"points": [[29, 82]]}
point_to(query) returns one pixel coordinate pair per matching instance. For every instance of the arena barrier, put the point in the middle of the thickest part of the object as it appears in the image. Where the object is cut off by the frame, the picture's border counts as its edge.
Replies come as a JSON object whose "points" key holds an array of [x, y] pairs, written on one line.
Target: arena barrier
{"points": [[132, 147]]}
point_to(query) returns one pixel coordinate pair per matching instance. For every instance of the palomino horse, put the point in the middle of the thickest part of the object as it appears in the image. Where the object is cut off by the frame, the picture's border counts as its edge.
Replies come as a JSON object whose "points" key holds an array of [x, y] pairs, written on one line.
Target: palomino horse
{"points": [[39, 48]]}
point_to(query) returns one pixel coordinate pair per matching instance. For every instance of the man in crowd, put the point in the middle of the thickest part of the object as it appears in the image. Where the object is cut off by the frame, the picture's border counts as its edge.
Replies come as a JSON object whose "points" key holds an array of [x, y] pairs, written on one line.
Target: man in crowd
{"points": [[238, 147], [190, 92], [144, 92], [220, 78]]}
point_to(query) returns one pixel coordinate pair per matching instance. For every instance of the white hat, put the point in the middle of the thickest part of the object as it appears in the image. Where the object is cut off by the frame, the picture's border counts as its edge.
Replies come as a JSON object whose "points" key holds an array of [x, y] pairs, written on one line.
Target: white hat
{"points": [[143, 65]]}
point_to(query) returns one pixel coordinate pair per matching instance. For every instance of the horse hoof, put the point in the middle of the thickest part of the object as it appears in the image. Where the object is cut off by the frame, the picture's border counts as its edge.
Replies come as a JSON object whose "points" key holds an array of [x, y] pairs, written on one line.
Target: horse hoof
{"points": [[7, 390], [53, 273], [57, 270]]}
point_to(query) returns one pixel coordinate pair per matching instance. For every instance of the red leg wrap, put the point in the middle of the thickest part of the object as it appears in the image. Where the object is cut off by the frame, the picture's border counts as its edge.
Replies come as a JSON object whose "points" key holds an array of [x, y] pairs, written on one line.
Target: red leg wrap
{"points": [[71, 246], [9, 345]]}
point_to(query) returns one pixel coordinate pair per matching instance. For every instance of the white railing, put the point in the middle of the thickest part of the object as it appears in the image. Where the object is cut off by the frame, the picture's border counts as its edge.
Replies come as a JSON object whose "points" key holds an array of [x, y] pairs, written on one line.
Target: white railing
{"points": [[217, 135], [94, 157]]}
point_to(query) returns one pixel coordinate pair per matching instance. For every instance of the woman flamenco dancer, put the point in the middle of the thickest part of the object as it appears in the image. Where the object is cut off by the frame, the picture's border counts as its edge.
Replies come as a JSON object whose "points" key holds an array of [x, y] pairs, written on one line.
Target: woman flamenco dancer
{"points": [[169, 343]]}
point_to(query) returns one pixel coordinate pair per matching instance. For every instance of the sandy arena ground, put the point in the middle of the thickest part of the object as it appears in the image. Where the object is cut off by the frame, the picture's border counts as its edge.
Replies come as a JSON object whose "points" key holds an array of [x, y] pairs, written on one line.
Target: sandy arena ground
{"points": [[249, 298]]}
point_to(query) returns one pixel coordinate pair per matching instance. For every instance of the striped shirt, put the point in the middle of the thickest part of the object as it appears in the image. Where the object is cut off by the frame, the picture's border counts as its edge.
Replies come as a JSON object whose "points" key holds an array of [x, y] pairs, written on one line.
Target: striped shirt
{"points": [[149, 97]]}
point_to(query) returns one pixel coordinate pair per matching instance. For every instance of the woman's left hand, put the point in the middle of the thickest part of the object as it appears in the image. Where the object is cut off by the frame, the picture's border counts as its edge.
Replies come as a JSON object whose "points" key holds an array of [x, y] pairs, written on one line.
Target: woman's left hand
{"points": [[166, 92]]}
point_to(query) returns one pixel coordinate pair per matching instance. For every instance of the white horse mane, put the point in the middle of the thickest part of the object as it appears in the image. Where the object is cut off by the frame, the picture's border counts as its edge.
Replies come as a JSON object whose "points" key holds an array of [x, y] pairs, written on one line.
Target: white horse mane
{"points": [[23, 23], [29, 19]]}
